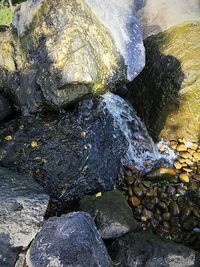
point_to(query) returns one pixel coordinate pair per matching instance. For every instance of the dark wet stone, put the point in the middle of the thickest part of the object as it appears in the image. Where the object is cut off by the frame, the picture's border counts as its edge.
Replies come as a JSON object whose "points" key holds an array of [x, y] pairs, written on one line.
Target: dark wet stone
{"points": [[190, 223], [80, 152], [138, 191], [144, 249], [162, 206], [174, 209], [72, 239], [185, 213], [111, 213], [166, 216], [23, 204]]}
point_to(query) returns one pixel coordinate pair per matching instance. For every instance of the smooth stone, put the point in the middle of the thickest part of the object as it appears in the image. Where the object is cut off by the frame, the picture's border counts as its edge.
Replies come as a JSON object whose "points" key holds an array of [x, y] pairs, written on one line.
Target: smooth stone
{"points": [[135, 201], [111, 212], [185, 213], [190, 223], [196, 156], [181, 147], [166, 216], [23, 204], [183, 177], [177, 165], [162, 174], [146, 249], [68, 241], [174, 209]]}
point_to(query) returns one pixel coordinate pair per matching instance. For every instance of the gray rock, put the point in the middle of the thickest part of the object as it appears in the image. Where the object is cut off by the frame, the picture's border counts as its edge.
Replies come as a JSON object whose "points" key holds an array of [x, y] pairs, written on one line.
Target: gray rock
{"points": [[145, 249], [22, 208], [5, 108], [82, 151], [69, 241], [42, 65], [111, 213]]}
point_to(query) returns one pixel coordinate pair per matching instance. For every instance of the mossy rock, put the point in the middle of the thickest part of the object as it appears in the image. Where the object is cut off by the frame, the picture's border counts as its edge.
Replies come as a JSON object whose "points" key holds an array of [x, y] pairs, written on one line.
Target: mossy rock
{"points": [[167, 92]]}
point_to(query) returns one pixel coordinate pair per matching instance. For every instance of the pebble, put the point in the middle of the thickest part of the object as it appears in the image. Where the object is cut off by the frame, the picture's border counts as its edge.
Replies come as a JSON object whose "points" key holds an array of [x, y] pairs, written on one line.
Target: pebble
{"points": [[185, 213], [181, 147], [166, 216], [177, 165], [187, 170], [184, 177], [190, 223], [196, 156], [162, 206], [185, 155], [191, 151], [174, 209], [138, 191], [135, 201]]}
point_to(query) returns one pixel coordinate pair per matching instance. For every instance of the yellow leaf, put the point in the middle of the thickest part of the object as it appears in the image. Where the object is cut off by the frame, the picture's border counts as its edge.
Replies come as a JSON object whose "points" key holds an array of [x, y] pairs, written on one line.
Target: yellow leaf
{"points": [[8, 138], [99, 194], [34, 144]]}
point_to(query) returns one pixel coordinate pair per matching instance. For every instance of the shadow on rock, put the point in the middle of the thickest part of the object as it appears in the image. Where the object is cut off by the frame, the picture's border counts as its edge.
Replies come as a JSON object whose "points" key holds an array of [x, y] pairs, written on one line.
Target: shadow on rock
{"points": [[155, 92]]}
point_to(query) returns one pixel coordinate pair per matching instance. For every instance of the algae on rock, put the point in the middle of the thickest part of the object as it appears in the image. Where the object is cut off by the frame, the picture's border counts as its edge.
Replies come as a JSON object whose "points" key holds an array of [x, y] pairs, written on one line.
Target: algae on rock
{"points": [[169, 98]]}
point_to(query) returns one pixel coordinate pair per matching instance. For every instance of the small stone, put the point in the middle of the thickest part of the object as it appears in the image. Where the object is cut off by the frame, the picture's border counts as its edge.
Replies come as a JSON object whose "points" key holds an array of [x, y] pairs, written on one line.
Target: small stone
{"points": [[190, 224], [162, 206], [173, 144], [182, 140], [182, 160], [135, 201], [196, 157], [185, 155], [189, 162], [194, 146], [174, 209], [138, 191], [35, 144], [196, 177], [187, 170], [147, 214], [181, 147], [184, 178], [177, 165], [181, 191], [166, 216], [191, 151], [130, 191], [185, 213]]}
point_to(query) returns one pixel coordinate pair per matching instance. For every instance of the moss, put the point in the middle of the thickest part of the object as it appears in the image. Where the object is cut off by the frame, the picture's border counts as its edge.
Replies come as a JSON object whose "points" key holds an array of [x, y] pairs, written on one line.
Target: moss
{"points": [[6, 15]]}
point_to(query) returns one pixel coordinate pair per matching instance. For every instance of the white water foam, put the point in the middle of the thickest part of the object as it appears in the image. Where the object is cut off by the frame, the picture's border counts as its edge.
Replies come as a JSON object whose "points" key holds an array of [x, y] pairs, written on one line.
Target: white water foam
{"points": [[141, 148]]}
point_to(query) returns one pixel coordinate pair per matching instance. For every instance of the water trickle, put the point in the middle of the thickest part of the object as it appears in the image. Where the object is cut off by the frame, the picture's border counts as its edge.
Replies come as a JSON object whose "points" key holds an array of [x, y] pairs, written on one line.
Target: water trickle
{"points": [[141, 150]]}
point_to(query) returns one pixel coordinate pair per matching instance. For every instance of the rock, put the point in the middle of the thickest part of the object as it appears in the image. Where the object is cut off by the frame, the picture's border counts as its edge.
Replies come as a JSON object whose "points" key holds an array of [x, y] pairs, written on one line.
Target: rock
{"points": [[58, 39], [23, 204], [111, 213], [69, 164], [5, 109], [181, 147], [135, 201], [162, 174], [69, 241], [169, 84], [146, 249], [196, 156], [177, 165], [159, 15], [184, 177]]}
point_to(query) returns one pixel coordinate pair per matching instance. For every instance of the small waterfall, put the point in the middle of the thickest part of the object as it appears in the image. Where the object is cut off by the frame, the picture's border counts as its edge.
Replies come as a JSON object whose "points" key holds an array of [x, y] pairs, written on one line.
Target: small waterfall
{"points": [[141, 150]]}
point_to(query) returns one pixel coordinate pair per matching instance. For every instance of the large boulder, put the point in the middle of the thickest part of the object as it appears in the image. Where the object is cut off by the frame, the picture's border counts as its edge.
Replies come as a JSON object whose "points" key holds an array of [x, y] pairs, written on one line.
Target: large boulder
{"points": [[111, 212], [23, 204], [74, 49], [159, 15], [145, 249], [69, 241], [82, 151], [166, 93]]}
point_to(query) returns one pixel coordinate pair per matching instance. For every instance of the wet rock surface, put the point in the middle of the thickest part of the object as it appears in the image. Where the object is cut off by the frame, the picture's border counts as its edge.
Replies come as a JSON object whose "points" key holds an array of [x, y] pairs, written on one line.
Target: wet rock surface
{"points": [[23, 204], [145, 249], [71, 240], [81, 152], [111, 213]]}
